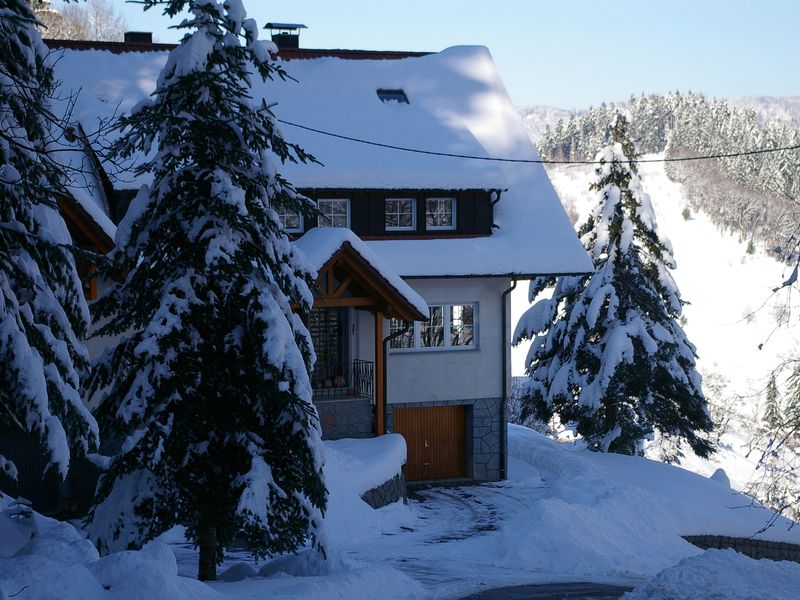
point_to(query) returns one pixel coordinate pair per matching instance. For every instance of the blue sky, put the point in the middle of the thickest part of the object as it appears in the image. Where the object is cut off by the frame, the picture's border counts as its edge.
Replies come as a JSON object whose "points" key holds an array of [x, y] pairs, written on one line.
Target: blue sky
{"points": [[567, 54]]}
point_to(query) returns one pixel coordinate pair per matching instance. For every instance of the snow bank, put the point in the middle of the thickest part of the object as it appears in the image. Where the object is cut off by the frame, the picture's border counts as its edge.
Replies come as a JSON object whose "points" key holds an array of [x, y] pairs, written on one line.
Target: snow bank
{"points": [[367, 463], [149, 573], [59, 564], [604, 514], [352, 467], [359, 581], [723, 574]]}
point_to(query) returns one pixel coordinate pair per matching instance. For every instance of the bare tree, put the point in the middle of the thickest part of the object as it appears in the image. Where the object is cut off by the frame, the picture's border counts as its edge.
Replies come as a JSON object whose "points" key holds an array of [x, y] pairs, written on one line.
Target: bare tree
{"points": [[92, 20]]}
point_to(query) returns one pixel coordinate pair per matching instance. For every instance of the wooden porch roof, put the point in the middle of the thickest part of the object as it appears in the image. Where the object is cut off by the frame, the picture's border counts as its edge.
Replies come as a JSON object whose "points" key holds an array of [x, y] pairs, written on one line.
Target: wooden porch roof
{"points": [[348, 279]]}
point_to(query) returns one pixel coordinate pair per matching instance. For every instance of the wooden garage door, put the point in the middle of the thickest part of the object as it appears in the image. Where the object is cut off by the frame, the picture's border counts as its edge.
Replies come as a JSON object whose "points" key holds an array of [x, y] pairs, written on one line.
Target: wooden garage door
{"points": [[436, 437]]}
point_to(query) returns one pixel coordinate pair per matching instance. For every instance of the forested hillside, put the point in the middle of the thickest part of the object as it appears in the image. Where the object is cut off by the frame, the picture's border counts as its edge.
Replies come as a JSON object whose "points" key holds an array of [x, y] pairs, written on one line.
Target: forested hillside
{"points": [[751, 195], [745, 336]]}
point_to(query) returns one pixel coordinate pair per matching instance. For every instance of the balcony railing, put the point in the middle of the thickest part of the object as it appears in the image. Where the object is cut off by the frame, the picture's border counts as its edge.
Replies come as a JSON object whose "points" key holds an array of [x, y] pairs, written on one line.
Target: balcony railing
{"points": [[334, 381]]}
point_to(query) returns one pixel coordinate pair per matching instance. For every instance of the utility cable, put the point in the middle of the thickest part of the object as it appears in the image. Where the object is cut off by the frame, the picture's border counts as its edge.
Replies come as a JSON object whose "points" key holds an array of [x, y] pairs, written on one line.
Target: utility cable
{"points": [[527, 160]]}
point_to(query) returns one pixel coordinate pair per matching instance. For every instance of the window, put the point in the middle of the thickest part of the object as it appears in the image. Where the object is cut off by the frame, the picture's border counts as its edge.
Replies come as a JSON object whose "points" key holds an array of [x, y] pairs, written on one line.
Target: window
{"points": [[449, 327], [396, 96], [291, 220], [335, 212], [462, 325], [406, 340], [440, 213], [432, 334], [400, 214]]}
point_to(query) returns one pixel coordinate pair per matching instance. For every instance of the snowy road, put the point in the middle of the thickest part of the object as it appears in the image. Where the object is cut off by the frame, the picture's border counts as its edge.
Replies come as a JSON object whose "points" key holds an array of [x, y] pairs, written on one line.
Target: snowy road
{"points": [[453, 544], [563, 516], [554, 591]]}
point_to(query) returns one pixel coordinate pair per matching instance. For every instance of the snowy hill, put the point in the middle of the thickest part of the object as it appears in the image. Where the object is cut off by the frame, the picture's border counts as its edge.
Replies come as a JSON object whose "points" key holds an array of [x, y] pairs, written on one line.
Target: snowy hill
{"points": [[537, 118], [731, 310], [770, 108]]}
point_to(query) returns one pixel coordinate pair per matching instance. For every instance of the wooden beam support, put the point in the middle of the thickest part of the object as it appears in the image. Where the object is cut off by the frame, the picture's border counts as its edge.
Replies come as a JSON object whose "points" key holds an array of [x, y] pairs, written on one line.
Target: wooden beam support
{"points": [[329, 281], [380, 374], [342, 287], [337, 302]]}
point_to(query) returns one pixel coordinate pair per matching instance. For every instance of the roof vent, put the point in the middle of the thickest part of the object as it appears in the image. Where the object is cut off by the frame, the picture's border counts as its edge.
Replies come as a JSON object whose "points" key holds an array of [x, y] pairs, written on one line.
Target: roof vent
{"points": [[285, 35], [398, 96], [138, 37]]}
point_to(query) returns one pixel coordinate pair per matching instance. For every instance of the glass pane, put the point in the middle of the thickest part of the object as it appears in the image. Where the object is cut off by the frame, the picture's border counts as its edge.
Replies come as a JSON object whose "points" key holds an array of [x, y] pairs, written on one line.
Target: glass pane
{"points": [[439, 212], [334, 213], [462, 325], [432, 335], [399, 213], [405, 340], [291, 221]]}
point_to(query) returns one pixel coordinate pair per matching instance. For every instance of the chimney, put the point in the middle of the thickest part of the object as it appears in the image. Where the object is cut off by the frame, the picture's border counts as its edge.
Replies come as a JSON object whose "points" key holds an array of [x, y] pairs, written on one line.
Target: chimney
{"points": [[138, 37], [285, 35]]}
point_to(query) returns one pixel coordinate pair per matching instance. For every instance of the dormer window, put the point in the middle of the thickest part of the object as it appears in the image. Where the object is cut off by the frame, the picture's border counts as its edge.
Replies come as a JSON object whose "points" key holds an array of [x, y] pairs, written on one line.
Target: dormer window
{"points": [[440, 213], [397, 96], [291, 219], [334, 212], [400, 214]]}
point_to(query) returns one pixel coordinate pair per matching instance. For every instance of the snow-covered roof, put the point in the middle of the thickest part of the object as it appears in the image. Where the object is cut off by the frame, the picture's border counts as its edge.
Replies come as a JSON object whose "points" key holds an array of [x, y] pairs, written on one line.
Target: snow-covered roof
{"points": [[320, 244], [457, 104]]}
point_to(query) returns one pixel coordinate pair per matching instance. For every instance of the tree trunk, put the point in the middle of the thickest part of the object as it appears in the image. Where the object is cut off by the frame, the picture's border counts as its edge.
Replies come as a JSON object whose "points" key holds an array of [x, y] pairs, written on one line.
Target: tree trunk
{"points": [[207, 542]]}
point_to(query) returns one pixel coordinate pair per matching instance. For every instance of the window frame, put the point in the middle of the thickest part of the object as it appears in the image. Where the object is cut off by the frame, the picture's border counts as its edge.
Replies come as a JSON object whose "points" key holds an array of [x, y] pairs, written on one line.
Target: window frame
{"points": [[287, 212], [454, 225], [322, 217], [413, 226], [447, 318]]}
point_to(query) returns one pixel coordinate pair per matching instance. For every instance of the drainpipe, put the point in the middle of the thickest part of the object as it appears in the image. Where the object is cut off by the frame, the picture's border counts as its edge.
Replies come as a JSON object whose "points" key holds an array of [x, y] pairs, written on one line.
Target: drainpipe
{"points": [[504, 397], [386, 341]]}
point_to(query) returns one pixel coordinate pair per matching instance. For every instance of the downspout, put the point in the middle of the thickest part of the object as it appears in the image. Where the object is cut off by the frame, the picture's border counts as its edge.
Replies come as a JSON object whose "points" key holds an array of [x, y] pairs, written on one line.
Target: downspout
{"points": [[504, 397], [492, 203], [386, 341]]}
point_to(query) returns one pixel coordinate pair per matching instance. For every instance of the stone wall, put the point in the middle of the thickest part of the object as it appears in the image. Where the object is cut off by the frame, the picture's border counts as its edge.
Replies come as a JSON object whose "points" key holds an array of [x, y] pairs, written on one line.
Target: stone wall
{"points": [[748, 546], [484, 454], [386, 493], [346, 418]]}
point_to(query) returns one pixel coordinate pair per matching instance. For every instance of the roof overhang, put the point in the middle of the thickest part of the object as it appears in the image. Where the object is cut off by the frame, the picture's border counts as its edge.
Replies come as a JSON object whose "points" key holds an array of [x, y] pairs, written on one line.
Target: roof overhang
{"points": [[347, 278]]}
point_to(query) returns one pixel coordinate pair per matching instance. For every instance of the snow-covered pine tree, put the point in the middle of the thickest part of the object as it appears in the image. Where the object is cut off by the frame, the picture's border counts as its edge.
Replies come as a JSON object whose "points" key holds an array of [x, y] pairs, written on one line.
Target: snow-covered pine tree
{"points": [[209, 380], [608, 355], [773, 415], [43, 314]]}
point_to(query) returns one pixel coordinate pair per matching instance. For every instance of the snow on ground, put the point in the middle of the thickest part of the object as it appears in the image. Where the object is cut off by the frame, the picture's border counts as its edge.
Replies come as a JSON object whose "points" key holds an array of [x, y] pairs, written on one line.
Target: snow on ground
{"points": [[723, 574], [563, 515], [731, 308]]}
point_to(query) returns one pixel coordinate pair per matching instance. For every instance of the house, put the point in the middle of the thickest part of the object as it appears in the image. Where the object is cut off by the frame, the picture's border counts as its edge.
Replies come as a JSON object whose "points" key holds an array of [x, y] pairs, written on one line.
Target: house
{"points": [[416, 253]]}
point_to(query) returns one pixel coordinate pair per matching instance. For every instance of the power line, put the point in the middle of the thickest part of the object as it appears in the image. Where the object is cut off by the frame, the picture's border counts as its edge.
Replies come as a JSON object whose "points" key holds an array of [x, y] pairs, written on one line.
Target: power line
{"points": [[527, 160]]}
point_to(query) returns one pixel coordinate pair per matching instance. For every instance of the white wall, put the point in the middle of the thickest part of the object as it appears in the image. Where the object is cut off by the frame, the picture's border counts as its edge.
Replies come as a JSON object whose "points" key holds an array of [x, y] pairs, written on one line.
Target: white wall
{"points": [[429, 375]]}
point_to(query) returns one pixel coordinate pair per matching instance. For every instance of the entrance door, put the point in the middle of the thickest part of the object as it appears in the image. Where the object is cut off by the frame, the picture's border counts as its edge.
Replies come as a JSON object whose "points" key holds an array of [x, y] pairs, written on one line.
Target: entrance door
{"points": [[436, 437]]}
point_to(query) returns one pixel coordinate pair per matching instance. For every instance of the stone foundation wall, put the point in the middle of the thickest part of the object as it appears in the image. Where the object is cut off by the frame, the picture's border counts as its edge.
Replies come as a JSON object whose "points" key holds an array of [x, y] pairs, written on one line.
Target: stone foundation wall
{"points": [[748, 546], [346, 418], [484, 421], [387, 493]]}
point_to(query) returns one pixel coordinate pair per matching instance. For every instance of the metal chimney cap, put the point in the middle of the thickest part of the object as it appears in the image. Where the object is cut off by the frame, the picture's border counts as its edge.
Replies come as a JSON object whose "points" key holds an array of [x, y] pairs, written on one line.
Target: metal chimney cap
{"points": [[289, 26]]}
